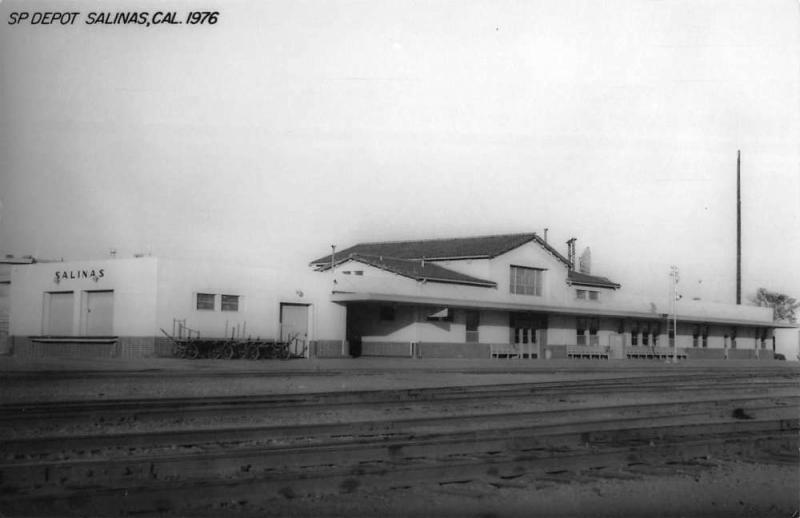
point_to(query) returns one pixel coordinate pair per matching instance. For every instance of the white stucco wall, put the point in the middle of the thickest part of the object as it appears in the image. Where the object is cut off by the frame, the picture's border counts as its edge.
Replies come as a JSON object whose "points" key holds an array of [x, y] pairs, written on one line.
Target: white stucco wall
{"points": [[494, 327], [787, 343], [132, 280], [557, 296], [150, 292], [261, 292]]}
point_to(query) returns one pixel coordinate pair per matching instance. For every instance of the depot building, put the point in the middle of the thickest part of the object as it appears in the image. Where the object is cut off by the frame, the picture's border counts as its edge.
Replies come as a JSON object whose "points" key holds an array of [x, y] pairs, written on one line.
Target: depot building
{"points": [[502, 296], [126, 307]]}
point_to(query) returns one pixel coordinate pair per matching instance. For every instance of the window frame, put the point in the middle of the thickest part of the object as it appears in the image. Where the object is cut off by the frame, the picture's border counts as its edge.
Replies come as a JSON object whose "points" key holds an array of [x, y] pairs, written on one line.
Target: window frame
{"points": [[222, 302], [197, 304], [518, 284]]}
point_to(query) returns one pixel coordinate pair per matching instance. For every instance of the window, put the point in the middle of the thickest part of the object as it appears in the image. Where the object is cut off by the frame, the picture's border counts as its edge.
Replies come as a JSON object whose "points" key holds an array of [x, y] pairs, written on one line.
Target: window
{"points": [[581, 330], [594, 295], [473, 322], [581, 294], [592, 324], [205, 301], [387, 313], [526, 281], [230, 303]]}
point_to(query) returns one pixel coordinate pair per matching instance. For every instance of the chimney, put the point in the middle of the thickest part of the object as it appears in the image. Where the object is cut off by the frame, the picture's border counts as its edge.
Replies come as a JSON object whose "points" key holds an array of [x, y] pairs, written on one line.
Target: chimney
{"points": [[571, 253], [585, 261], [545, 235]]}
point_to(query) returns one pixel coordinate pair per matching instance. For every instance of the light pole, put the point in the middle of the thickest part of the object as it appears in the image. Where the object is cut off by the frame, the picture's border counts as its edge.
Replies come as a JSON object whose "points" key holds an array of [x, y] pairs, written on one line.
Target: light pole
{"points": [[674, 297]]}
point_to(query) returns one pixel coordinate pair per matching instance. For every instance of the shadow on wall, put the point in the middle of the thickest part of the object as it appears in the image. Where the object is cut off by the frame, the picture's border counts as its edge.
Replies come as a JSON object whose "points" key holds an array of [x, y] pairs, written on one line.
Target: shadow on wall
{"points": [[377, 320]]}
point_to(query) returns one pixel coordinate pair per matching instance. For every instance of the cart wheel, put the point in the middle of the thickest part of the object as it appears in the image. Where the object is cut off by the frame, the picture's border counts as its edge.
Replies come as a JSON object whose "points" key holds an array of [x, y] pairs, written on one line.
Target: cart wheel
{"points": [[253, 352], [229, 352], [192, 352], [217, 351]]}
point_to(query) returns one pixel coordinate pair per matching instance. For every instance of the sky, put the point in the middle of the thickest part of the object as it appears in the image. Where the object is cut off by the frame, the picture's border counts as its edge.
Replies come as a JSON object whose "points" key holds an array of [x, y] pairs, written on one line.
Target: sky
{"points": [[289, 126]]}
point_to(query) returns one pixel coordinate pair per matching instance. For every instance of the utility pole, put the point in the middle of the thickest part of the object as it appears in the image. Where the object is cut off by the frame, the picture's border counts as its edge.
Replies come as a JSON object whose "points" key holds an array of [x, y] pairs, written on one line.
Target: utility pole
{"points": [[674, 310], [738, 228]]}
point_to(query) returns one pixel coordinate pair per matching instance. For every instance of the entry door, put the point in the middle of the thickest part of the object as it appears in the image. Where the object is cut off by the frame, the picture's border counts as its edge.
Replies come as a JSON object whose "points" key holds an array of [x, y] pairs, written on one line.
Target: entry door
{"points": [[617, 344], [99, 313], [294, 325], [59, 314], [528, 333]]}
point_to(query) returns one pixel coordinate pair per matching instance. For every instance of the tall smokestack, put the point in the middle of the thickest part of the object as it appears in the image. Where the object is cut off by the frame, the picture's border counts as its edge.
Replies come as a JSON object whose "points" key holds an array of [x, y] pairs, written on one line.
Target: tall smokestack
{"points": [[738, 227]]}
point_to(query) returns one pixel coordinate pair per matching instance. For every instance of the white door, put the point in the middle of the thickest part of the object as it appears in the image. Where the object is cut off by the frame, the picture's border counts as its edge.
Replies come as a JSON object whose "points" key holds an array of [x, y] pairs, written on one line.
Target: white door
{"points": [[99, 313], [294, 326], [616, 344], [59, 314]]}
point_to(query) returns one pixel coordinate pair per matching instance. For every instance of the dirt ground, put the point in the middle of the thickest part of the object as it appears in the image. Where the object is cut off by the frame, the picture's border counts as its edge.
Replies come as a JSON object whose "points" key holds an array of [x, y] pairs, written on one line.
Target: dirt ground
{"points": [[725, 487], [717, 487]]}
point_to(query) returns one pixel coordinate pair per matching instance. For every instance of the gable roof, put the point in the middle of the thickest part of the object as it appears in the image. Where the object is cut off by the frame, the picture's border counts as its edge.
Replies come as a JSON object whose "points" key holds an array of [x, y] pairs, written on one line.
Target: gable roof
{"points": [[584, 279], [420, 270], [480, 247]]}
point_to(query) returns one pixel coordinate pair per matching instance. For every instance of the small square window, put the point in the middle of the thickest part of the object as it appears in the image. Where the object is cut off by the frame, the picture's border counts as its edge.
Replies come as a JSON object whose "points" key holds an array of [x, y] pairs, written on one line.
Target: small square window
{"points": [[581, 294], [206, 301], [230, 303], [594, 295]]}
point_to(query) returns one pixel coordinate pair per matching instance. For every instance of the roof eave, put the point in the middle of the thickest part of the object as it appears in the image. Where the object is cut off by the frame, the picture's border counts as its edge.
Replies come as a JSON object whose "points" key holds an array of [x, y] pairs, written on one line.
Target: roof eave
{"points": [[612, 285], [486, 284], [577, 311]]}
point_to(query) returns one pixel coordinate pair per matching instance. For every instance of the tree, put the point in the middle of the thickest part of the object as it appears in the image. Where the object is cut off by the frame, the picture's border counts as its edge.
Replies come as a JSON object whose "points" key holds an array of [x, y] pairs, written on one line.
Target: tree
{"points": [[783, 306]]}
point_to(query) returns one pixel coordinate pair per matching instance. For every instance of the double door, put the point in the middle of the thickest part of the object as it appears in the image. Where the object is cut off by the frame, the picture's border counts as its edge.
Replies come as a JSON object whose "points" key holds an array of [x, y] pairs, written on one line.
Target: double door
{"points": [[528, 333]]}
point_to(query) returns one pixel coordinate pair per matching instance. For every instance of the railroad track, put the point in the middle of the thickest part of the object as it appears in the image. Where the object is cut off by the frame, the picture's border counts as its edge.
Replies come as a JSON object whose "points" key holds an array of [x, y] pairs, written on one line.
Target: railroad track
{"points": [[109, 410], [210, 369], [442, 436]]}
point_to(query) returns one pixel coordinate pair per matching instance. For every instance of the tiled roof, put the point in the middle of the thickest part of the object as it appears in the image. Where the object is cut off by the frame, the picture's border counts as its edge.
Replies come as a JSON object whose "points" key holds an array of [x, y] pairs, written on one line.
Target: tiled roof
{"points": [[421, 270], [481, 247], [585, 279]]}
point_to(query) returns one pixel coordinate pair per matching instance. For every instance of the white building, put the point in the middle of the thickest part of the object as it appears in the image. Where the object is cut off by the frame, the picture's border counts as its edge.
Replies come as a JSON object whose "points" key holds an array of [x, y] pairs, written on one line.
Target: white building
{"points": [[515, 295], [118, 307], [491, 296]]}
